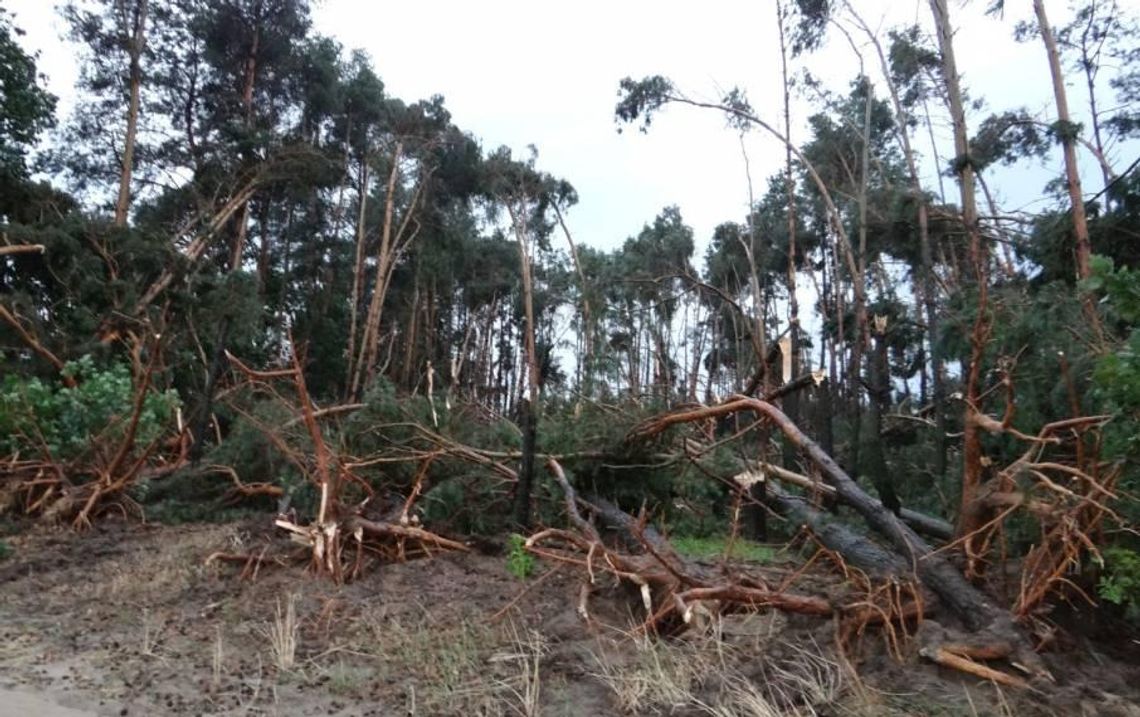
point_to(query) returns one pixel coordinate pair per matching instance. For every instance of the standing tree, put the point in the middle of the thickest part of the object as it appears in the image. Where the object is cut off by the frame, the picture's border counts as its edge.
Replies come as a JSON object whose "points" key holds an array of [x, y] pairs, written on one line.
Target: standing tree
{"points": [[114, 33]]}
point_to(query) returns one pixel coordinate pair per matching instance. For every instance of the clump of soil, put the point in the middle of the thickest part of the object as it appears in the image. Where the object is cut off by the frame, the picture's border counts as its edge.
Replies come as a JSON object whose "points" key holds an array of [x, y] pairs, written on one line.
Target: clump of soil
{"points": [[129, 619]]}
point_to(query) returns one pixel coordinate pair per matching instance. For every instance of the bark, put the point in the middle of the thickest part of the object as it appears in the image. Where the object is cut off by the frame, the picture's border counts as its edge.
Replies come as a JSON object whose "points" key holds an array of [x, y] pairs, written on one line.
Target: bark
{"points": [[920, 522], [856, 548], [792, 404], [22, 249], [880, 393], [531, 407], [524, 487], [972, 515], [587, 316], [1068, 143], [135, 47]]}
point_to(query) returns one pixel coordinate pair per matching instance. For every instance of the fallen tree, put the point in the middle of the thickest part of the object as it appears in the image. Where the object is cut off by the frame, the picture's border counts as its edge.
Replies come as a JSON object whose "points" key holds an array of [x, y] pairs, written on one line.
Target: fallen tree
{"points": [[336, 527], [976, 611]]}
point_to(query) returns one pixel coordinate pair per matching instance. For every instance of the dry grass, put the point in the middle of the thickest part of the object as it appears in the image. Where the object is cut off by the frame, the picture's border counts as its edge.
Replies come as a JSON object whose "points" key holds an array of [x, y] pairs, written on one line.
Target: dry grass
{"points": [[525, 687], [152, 633], [708, 676], [662, 677], [282, 634], [217, 659], [466, 667]]}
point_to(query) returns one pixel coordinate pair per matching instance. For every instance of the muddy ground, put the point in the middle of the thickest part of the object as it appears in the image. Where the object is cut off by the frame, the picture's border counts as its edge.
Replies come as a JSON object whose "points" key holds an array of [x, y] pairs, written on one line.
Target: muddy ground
{"points": [[131, 620]]}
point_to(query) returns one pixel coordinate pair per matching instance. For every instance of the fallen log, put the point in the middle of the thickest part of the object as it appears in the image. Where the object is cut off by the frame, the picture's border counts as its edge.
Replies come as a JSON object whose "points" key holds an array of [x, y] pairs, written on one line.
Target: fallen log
{"points": [[857, 549], [922, 523], [976, 611]]}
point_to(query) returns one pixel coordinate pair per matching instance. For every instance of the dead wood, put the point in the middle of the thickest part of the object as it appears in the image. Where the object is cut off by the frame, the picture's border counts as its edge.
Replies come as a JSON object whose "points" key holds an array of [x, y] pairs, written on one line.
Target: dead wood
{"points": [[926, 524], [35, 345], [21, 249], [857, 549], [944, 657], [668, 584], [967, 603], [336, 527]]}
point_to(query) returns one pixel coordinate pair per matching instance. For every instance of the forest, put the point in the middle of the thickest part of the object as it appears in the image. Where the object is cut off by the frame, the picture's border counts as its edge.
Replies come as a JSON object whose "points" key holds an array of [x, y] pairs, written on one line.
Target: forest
{"points": [[311, 403]]}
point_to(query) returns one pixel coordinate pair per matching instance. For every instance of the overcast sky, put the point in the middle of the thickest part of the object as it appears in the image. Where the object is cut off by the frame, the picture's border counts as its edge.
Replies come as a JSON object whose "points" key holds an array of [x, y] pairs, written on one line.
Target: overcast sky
{"points": [[521, 72]]}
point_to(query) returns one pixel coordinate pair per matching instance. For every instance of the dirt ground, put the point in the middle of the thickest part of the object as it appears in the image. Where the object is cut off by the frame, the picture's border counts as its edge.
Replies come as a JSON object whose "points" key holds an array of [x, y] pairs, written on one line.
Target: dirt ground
{"points": [[131, 620]]}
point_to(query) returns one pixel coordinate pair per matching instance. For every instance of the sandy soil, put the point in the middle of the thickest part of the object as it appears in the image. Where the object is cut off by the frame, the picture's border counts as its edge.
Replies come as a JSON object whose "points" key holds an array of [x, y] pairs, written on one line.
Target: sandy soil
{"points": [[130, 620]]}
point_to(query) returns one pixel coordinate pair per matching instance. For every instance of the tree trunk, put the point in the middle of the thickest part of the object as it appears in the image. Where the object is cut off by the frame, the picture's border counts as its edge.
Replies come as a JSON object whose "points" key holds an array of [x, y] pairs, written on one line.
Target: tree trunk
{"points": [[1067, 130], [238, 245], [880, 394], [972, 607], [972, 516], [366, 361], [525, 485], [135, 48], [357, 267], [792, 403], [587, 316], [531, 407]]}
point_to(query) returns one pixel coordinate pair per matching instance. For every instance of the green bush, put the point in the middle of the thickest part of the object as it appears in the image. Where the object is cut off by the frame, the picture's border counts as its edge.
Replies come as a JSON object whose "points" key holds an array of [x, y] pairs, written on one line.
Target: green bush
{"points": [[1121, 584], [520, 563], [68, 422]]}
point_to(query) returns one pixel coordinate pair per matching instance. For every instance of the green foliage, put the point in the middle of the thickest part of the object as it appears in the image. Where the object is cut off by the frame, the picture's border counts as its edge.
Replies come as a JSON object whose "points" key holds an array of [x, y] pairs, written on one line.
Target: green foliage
{"points": [[520, 563], [1121, 584], [1117, 375], [26, 109], [5, 550], [67, 423]]}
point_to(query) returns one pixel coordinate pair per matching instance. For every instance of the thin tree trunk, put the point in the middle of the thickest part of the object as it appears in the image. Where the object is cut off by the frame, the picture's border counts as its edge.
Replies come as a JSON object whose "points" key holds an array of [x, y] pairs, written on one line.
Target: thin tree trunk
{"points": [[1067, 130], [862, 329], [135, 49], [247, 102], [972, 514], [370, 340], [587, 316], [791, 404], [358, 266], [531, 407], [1091, 66]]}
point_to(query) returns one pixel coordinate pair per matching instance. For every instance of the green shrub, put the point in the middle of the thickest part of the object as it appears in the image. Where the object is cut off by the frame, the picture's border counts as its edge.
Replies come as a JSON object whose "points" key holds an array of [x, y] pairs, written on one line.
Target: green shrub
{"points": [[1121, 584], [68, 422], [520, 563]]}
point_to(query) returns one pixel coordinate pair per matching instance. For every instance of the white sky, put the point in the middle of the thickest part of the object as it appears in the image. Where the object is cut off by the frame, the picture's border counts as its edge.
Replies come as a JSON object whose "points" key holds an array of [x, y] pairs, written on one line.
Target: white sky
{"points": [[520, 72]]}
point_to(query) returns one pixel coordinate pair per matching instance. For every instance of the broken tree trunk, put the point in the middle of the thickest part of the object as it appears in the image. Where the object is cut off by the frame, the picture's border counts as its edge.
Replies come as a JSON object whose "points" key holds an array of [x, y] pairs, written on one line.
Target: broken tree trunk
{"points": [[920, 522], [974, 609], [857, 549]]}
